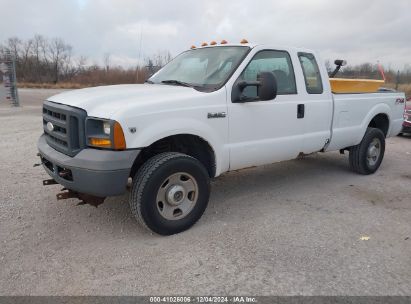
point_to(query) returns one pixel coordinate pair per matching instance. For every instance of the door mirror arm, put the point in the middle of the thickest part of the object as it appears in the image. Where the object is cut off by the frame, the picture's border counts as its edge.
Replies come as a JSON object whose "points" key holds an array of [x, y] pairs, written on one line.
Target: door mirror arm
{"points": [[243, 84]]}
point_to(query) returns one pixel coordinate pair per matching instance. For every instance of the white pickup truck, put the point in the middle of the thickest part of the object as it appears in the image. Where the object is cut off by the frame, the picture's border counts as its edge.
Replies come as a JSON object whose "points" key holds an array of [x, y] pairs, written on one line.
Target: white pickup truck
{"points": [[210, 110]]}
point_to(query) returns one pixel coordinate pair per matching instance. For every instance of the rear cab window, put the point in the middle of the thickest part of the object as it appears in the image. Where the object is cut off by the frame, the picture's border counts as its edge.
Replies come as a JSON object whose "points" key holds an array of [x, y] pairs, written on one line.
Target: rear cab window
{"points": [[312, 75]]}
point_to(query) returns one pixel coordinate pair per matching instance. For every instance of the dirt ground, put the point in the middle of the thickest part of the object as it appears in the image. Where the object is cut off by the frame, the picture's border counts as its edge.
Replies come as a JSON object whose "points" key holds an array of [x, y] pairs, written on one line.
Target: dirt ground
{"points": [[303, 227]]}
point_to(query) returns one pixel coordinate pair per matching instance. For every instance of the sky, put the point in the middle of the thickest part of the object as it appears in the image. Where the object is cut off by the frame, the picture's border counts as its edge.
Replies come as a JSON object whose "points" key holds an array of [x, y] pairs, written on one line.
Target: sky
{"points": [[131, 30]]}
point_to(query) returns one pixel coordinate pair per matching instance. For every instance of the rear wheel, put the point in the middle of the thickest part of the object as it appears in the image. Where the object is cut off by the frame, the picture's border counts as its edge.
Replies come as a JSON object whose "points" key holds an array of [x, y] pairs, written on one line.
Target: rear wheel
{"points": [[170, 193], [366, 157]]}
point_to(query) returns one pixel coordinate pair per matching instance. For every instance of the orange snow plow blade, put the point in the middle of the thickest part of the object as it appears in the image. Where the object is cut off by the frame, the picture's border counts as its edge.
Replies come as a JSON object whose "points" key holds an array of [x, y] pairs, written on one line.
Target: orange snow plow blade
{"points": [[342, 85]]}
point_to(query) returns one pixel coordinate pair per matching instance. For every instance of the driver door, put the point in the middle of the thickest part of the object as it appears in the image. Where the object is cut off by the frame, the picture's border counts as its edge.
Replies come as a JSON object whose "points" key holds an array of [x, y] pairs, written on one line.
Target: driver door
{"points": [[263, 132]]}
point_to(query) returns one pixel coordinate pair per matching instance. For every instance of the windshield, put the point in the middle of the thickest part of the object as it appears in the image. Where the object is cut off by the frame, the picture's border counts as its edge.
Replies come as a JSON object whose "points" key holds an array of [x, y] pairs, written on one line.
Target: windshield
{"points": [[205, 68]]}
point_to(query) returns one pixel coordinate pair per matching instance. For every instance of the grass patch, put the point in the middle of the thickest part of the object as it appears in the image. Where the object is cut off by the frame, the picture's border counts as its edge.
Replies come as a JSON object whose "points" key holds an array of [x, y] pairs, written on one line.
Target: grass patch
{"points": [[60, 85], [406, 88]]}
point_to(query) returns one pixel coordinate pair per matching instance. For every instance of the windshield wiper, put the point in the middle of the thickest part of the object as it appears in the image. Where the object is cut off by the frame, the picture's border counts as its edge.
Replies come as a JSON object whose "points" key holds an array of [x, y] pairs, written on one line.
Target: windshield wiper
{"points": [[177, 82]]}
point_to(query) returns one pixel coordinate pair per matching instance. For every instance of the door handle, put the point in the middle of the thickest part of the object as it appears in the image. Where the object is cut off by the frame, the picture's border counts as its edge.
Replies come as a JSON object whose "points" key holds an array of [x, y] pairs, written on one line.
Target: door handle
{"points": [[300, 110]]}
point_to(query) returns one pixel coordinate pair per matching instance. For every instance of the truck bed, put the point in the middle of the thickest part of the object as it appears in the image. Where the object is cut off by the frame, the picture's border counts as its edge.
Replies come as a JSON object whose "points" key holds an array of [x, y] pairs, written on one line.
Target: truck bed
{"points": [[353, 112]]}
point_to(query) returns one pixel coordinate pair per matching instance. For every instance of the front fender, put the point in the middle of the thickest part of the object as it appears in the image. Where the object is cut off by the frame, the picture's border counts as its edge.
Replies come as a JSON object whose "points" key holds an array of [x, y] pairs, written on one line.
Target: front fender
{"points": [[148, 133]]}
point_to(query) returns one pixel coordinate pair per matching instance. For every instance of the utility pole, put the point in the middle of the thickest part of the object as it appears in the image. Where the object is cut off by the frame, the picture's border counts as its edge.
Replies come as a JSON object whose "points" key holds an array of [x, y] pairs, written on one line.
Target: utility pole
{"points": [[139, 54], [397, 80]]}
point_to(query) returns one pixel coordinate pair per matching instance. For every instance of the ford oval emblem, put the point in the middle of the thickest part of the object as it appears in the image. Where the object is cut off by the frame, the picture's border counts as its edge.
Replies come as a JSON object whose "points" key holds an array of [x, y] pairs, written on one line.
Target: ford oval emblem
{"points": [[50, 126]]}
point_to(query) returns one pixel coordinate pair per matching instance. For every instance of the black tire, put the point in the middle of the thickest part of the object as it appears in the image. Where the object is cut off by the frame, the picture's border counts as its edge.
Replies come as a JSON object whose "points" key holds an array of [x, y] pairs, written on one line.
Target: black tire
{"points": [[149, 180], [359, 161]]}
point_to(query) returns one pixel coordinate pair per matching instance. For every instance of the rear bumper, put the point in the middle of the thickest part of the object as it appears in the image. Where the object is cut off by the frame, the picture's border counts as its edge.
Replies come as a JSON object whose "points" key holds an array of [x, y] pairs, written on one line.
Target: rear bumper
{"points": [[96, 172]]}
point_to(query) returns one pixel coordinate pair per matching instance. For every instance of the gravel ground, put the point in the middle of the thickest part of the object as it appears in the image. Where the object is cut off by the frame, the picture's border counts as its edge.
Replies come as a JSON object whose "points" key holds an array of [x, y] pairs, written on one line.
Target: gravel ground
{"points": [[292, 228]]}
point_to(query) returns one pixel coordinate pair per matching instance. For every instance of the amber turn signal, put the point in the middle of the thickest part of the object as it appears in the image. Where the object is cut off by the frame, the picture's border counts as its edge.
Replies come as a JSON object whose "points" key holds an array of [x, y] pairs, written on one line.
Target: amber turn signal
{"points": [[100, 142], [118, 135], [116, 141]]}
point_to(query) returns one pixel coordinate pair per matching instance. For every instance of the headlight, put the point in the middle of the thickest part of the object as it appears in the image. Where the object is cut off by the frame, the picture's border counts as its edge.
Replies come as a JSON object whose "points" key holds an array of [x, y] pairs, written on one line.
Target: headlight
{"points": [[107, 134], [107, 127]]}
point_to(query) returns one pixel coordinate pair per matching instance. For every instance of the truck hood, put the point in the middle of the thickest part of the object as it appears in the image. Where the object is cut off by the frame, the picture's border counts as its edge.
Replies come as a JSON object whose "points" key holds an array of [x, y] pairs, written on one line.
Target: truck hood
{"points": [[105, 101]]}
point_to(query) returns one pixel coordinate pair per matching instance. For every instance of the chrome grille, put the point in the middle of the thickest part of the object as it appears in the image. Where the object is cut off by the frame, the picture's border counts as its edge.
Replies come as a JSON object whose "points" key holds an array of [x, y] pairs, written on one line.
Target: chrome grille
{"points": [[67, 135]]}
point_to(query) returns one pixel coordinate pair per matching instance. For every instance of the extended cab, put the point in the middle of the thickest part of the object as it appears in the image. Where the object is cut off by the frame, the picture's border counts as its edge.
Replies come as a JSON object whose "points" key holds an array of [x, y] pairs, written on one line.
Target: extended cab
{"points": [[210, 110]]}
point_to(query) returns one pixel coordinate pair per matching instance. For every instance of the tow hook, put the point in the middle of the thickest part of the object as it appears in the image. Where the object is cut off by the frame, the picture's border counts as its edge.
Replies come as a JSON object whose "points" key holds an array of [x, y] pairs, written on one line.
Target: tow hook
{"points": [[65, 173], [83, 197]]}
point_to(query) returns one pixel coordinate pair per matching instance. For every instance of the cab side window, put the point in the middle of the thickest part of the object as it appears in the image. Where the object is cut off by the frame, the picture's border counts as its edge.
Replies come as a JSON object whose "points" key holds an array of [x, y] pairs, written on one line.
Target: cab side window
{"points": [[276, 62], [312, 75]]}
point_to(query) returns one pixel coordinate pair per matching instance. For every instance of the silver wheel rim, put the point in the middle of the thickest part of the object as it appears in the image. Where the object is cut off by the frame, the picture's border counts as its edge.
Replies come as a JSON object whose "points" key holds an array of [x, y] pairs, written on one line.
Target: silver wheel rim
{"points": [[177, 196], [373, 152]]}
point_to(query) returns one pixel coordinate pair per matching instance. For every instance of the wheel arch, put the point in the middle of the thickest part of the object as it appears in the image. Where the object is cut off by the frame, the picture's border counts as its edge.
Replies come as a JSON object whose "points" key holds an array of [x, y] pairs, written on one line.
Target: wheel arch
{"points": [[187, 143], [380, 121], [378, 117]]}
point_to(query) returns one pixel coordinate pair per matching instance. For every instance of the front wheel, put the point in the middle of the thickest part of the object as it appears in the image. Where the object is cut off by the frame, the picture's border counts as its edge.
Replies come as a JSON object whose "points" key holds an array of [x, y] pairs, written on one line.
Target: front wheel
{"points": [[366, 157], [170, 193]]}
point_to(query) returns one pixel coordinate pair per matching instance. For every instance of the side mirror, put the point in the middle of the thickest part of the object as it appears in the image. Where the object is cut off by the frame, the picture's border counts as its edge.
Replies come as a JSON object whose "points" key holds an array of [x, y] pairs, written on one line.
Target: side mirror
{"points": [[266, 88]]}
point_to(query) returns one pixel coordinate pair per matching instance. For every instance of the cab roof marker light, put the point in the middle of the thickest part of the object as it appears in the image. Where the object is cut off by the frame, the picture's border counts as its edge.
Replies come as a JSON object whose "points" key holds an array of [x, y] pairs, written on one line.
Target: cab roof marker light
{"points": [[223, 41], [204, 44], [193, 47], [244, 41], [213, 43]]}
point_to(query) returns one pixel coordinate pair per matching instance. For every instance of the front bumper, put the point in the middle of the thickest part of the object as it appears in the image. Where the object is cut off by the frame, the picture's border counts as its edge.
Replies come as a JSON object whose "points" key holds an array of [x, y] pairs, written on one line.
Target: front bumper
{"points": [[96, 172]]}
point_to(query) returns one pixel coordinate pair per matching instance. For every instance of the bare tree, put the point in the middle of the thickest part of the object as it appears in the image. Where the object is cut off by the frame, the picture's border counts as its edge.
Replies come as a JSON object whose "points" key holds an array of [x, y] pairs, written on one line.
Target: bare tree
{"points": [[161, 58], [38, 53], [59, 52], [73, 67], [26, 48], [328, 66], [157, 61], [14, 45]]}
